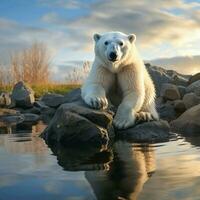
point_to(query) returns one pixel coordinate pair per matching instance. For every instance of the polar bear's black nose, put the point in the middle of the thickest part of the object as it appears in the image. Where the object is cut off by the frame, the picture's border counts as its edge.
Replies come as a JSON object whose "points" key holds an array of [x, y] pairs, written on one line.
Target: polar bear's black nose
{"points": [[113, 56]]}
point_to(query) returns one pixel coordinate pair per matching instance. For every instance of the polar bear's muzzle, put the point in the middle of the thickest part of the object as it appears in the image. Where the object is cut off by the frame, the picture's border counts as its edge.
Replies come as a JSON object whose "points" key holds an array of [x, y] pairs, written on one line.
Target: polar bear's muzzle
{"points": [[112, 56]]}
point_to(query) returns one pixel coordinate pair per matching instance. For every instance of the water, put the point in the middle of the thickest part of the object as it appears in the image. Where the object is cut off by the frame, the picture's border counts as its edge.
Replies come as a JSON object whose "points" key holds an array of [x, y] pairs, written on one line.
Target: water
{"points": [[29, 169]]}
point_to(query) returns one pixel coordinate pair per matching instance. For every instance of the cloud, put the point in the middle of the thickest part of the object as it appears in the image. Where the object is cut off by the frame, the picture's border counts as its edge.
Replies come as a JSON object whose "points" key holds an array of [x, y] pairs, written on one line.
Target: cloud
{"points": [[163, 28], [155, 22]]}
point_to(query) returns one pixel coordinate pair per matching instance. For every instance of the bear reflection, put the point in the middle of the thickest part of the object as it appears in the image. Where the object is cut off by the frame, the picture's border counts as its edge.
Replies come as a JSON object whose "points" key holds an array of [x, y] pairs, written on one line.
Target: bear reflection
{"points": [[113, 173], [130, 169]]}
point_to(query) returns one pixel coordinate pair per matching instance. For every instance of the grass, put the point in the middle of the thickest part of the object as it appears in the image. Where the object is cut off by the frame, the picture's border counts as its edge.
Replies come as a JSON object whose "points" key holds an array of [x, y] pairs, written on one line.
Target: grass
{"points": [[42, 89]]}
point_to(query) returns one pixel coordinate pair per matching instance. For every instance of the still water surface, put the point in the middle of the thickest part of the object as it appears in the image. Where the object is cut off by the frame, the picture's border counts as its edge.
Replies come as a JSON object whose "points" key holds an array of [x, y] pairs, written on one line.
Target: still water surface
{"points": [[29, 169]]}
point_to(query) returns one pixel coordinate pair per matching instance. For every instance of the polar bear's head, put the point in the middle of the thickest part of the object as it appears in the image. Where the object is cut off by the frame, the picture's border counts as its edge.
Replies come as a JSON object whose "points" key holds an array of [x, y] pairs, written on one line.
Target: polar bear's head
{"points": [[114, 49]]}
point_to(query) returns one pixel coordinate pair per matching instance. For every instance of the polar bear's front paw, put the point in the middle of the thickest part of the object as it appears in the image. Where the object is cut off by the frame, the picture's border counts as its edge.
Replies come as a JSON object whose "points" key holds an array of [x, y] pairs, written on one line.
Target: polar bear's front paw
{"points": [[143, 116], [123, 122], [96, 102]]}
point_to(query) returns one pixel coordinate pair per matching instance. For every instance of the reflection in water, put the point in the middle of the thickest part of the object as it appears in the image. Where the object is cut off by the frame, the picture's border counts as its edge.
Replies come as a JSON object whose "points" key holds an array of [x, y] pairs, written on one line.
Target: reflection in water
{"points": [[129, 170], [25, 139], [83, 158], [30, 170], [114, 173]]}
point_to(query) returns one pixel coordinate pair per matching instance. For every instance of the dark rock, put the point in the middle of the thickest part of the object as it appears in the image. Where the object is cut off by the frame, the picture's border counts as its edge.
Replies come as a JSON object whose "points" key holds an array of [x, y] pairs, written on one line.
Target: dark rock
{"points": [[197, 91], [71, 125], [40, 104], [72, 96], [154, 131], [170, 92], [23, 95], [193, 87], [189, 122], [166, 111], [29, 117], [159, 77], [194, 78], [179, 106], [33, 110], [191, 100], [52, 100], [179, 80]]}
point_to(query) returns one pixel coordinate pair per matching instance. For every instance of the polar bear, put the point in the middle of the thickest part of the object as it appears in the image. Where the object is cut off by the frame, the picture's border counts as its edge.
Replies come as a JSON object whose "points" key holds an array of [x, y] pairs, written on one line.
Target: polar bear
{"points": [[118, 64]]}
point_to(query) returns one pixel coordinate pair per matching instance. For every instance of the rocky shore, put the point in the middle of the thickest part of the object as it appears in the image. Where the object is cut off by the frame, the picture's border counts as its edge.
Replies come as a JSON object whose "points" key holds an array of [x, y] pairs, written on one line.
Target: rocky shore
{"points": [[70, 121]]}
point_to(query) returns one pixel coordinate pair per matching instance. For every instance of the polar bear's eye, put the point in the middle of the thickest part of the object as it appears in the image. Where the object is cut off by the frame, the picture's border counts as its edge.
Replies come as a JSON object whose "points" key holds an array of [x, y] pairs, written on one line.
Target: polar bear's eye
{"points": [[106, 43], [121, 43]]}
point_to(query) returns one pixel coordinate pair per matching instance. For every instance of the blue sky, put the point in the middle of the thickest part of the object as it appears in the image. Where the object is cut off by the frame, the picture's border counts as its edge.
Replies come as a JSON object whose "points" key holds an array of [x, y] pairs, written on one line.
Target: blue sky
{"points": [[164, 28]]}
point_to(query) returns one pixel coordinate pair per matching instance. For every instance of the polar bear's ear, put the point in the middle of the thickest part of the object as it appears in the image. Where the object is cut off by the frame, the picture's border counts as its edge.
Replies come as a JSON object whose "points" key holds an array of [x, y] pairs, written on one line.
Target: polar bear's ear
{"points": [[96, 37], [132, 38]]}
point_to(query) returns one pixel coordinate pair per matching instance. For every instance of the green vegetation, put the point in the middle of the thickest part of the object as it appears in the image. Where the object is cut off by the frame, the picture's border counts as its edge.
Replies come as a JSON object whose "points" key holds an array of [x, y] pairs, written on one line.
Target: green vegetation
{"points": [[42, 89]]}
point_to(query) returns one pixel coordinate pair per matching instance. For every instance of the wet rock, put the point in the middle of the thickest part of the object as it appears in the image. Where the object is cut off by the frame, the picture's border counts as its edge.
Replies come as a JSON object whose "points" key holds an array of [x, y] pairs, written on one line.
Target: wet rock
{"points": [[29, 117], [191, 100], [10, 117], [194, 78], [75, 124], [189, 122], [170, 92], [52, 100], [23, 95], [154, 131], [179, 106], [194, 86]]}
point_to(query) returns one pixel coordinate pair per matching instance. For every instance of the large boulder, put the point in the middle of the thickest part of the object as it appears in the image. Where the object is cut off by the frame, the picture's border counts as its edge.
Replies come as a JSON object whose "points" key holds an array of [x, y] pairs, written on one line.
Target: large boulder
{"points": [[170, 92], [159, 77], [154, 131], [23, 95], [188, 123], [75, 123], [194, 78], [191, 100]]}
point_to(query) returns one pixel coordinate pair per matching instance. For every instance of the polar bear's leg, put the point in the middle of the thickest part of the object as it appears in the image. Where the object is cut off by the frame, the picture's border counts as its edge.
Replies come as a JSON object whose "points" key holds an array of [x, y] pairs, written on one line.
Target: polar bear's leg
{"points": [[125, 116], [96, 86]]}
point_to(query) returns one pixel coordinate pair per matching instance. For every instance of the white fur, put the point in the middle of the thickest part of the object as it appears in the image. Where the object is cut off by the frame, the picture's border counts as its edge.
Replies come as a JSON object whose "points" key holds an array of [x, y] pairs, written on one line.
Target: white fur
{"points": [[138, 92]]}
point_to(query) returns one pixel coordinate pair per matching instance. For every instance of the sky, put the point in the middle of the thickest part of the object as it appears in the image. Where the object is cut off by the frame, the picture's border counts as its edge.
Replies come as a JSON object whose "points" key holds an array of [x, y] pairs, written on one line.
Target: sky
{"points": [[164, 28]]}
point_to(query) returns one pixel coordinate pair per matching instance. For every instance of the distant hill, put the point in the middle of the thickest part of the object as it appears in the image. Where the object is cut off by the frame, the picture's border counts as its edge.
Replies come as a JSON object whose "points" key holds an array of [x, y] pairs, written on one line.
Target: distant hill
{"points": [[181, 64]]}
